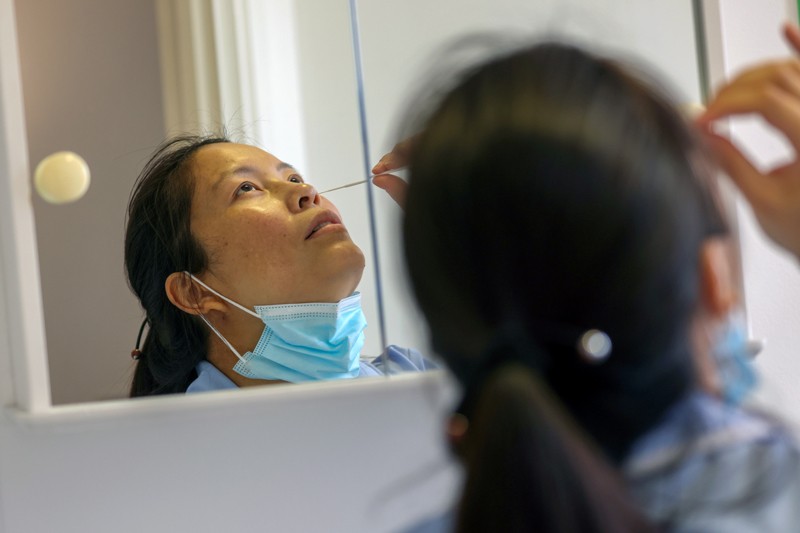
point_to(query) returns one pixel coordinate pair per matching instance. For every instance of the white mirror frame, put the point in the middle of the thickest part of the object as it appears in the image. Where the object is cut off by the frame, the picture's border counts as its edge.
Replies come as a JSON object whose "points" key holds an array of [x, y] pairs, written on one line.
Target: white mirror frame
{"points": [[190, 463], [24, 379]]}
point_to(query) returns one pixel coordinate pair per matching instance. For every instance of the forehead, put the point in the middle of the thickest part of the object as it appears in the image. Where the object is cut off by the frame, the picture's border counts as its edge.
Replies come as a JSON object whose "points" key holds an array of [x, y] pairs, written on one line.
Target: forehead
{"points": [[213, 160]]}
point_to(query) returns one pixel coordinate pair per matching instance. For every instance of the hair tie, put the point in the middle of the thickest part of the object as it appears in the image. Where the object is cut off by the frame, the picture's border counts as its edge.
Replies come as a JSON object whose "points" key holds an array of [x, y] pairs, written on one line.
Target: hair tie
{"points": [[513, 344], [594, 346], [504, 348], [136, 353]]}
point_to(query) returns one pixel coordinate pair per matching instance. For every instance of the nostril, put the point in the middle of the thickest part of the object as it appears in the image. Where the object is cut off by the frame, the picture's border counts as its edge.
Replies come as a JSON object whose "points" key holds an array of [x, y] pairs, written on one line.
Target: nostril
{"points": [[307, 196]]}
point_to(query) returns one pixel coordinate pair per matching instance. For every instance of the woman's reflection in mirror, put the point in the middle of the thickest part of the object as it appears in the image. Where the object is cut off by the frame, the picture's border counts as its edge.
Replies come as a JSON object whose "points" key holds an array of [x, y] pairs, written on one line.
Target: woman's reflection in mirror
{"points": [[246, 274]]}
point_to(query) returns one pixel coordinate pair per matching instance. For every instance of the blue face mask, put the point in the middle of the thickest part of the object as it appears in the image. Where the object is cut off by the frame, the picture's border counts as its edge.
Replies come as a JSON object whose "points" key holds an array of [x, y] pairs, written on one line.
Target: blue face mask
{"points": [[734, 364], [302, 342]]}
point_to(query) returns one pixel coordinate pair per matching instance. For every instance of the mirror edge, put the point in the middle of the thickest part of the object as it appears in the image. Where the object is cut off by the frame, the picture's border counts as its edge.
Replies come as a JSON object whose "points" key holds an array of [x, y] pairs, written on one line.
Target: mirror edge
{"points": [[25, 382]]}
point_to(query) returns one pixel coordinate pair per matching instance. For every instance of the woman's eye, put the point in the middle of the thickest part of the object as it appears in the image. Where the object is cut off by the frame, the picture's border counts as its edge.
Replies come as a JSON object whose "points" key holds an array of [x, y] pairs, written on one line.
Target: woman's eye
{"points": [[296, 179], [245, 188]]}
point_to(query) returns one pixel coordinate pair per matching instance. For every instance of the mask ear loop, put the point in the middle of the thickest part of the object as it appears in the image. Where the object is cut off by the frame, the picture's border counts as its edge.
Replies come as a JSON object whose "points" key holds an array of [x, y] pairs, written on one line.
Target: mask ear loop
{"points": [[243, 308], [208, 323]]}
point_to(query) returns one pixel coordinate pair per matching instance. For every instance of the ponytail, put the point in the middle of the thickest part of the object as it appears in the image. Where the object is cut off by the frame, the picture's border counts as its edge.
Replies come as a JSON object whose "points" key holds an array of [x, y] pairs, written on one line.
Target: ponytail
{"points": [[169, 367], [529, 467]]}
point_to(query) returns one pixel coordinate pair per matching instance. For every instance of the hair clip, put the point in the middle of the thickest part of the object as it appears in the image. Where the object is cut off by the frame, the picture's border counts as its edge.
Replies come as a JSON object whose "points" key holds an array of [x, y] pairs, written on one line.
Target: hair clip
{"points": [[594, 346]]}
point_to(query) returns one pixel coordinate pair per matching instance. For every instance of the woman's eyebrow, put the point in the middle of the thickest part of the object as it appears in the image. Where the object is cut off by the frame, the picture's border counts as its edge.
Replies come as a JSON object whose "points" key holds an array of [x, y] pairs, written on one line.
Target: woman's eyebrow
{"points": [[247, 170], [283, 166], [238, 171]]}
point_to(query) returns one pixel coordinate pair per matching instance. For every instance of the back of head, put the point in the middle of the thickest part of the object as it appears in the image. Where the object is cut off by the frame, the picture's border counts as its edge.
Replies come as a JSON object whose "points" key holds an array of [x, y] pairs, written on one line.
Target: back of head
{"points": [[552, 192], [158, 242]]}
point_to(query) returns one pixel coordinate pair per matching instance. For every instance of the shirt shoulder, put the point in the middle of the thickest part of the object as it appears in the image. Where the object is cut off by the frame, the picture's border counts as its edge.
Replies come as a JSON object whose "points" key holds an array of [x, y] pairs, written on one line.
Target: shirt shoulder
{"points": [[714, 467], [396, 360], [209, 378]]}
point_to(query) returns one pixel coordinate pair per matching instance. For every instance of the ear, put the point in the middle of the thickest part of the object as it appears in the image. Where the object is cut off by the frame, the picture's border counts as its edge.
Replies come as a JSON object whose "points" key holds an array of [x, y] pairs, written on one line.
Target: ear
{"points": [[718, 293], [190, 297]]}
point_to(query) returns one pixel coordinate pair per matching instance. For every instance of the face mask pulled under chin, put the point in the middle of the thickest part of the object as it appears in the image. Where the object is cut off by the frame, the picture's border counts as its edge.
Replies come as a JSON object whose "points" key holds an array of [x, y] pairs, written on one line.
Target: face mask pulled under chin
{"points": [[735, 367], [302, 342]]}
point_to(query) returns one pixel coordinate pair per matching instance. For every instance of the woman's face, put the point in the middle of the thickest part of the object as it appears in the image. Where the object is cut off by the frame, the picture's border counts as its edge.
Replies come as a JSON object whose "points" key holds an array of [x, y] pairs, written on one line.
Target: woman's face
{"points": [[270, 238]]}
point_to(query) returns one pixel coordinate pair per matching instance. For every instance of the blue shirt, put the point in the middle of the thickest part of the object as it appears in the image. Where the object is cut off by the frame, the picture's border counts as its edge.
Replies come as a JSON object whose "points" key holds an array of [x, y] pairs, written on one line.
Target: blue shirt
{"points": [[714, 467], [394, 360], [708, 468]]}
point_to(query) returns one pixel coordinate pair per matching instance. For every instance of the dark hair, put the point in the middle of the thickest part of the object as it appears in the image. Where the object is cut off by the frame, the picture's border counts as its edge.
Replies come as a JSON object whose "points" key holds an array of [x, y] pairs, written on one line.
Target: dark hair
{"points": [[542, 471], [158, 242], [553, 192]]}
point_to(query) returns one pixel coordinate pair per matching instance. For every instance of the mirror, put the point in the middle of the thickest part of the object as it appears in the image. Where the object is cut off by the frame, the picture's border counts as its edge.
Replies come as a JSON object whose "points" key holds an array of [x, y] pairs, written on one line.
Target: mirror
{"points": [[405, 40], [110, 79]]}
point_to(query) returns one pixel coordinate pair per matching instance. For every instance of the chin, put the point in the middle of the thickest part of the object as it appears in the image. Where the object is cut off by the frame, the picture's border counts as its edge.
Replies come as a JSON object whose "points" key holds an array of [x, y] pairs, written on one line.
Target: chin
{"points": [[349, 253], [345, 267]]}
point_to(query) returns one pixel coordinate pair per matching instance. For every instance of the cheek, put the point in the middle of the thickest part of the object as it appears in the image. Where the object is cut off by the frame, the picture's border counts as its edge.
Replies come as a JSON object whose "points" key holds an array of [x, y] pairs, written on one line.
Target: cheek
{"points": [[251, 241], [266, 238]]}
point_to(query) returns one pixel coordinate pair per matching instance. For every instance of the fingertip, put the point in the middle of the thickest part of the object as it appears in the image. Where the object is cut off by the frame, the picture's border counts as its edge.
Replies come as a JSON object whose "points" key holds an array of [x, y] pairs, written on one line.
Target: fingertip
{"points": [[709, 113], [705, 123], [702, 120], [792, 34], [379, 181], [380, 167]]}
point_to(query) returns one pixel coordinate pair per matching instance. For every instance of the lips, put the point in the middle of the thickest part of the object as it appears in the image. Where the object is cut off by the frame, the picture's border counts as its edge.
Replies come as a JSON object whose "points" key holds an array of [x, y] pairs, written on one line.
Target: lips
{"points": [[326, 218]]}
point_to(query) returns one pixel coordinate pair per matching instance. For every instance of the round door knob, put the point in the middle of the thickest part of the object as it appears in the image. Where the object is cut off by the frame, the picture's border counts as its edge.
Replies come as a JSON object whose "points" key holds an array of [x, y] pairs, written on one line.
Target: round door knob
{"points": [[62, 177]]}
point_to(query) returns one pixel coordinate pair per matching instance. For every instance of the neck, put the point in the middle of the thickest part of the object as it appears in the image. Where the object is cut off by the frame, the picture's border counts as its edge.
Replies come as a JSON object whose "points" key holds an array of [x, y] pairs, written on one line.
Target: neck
{"points": [[243, 333], [705, 366]]}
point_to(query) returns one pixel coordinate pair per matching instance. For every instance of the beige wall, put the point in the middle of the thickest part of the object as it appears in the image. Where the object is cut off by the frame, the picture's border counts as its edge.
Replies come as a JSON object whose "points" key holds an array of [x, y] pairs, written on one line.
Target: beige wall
{"points": [[91, 84]]}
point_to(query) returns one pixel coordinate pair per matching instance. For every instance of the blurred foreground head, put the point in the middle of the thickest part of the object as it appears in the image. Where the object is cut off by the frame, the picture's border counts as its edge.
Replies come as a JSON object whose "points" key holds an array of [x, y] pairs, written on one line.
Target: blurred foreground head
{"points": [[554, 192]]}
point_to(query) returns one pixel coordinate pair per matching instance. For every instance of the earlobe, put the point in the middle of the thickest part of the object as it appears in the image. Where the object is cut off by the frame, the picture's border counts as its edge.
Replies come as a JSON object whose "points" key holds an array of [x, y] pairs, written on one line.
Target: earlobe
{"points": [[189, 297], [718, 288]]}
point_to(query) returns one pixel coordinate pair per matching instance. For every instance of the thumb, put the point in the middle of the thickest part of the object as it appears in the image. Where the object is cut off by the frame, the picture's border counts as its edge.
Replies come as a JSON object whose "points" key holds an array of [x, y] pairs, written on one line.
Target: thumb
{"points": [[747, 178], [388, 163], [792, 35], [393, 185]]}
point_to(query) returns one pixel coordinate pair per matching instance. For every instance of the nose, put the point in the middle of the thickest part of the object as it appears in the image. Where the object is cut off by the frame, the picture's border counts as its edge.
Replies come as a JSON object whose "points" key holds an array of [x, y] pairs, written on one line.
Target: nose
{"points": [[303, 196]]}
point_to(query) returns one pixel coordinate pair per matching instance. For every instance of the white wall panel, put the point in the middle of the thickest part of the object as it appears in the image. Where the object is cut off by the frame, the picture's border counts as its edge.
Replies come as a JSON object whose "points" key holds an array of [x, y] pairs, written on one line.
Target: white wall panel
{"points": [[750, 32]]}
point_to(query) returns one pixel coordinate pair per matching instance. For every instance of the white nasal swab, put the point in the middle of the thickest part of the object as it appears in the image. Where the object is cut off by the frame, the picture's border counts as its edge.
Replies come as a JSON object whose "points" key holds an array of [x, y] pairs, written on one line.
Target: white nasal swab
{"points": [[346, 186], [393, 171]]}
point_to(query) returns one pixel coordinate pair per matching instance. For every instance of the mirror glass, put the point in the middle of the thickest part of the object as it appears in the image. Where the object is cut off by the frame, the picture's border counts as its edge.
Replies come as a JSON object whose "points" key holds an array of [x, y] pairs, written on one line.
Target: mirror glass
{"points": [[111, 79], [403, 41]]}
